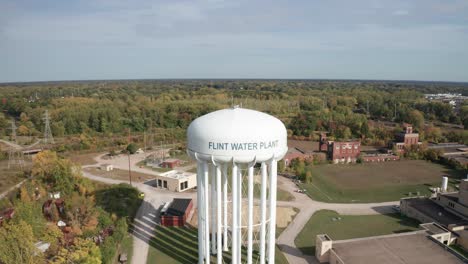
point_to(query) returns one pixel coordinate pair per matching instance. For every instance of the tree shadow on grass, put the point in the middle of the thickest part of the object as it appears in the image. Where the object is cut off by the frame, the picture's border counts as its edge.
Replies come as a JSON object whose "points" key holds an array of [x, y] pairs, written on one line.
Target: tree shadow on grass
{"points": [[122, 200]]}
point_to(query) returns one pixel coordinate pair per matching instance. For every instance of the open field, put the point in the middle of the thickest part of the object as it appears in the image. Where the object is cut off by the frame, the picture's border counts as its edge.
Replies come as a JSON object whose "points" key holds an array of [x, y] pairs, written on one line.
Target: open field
{"points": [[83, 159], [375, 182], [179, 245], [350, 226], [118, 174], [10, 177]]}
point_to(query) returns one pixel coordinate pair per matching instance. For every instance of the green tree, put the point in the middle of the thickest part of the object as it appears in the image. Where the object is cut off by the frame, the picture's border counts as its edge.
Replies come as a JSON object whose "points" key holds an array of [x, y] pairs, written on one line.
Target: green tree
{"points": [[416, 118], [83, 251], [17, 244], [132, 148], [308, 176], [57, 172]]}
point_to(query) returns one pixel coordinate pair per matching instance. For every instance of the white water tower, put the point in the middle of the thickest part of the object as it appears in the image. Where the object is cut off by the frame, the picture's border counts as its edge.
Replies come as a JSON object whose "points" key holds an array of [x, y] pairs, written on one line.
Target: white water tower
{"points": [[227, 144]]}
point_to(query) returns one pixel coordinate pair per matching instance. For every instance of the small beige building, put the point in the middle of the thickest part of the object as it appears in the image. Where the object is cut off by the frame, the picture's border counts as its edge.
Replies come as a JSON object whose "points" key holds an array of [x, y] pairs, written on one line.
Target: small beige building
{"points": [[107, 167], [176, 181]]}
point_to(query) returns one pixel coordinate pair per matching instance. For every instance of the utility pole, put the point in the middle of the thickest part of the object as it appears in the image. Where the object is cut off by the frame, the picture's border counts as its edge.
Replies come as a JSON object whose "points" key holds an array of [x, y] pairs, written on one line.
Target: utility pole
{"points": [[144, 140], [128, 152], [129, 169], [367, 103], [48, 138]]}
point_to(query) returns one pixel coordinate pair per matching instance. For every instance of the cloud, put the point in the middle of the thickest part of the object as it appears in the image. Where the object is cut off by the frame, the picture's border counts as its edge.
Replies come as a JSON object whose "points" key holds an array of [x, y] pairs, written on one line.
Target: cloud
{"points": [[401, 13], [219, 30]]}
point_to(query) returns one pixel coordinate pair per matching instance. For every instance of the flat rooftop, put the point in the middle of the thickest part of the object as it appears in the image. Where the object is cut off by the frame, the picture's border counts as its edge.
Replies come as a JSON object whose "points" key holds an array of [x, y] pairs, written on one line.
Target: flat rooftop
{"points": [[177, 174], [178, 207], [434, 229], [411, 248], [435, 211]]}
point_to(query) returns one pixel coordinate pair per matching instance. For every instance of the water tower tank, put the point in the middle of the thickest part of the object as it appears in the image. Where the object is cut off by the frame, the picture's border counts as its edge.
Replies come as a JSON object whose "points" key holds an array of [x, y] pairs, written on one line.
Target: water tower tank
{"points": [[227, 144]]}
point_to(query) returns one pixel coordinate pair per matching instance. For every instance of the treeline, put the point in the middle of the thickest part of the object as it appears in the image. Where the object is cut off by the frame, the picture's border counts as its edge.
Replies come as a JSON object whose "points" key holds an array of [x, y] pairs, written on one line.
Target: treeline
{"points": [[342, 108]]}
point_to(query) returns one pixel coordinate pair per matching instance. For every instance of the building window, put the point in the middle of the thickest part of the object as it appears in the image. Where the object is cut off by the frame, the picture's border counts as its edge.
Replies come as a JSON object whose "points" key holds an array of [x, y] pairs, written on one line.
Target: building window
{"points": [[165, 184], [159, 183], [451, 204], [183, 185]]}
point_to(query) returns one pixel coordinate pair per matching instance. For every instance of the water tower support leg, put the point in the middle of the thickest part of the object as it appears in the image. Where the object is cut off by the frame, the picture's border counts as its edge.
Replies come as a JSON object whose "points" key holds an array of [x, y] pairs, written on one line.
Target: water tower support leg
{"points": [[219, 234], [250, 215], [239, 217], [213, 208], [200, 212], [206, 212], [225, 206], [263, 213], [272, 225], [235, 211]]}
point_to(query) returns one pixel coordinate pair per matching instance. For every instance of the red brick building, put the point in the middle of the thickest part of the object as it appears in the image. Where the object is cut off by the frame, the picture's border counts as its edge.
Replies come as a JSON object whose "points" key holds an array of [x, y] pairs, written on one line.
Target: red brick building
{"points": [[406, 138], [323, 143], [379, 157], [170, 163], [177, 213], [344, 151], [294, 153]]}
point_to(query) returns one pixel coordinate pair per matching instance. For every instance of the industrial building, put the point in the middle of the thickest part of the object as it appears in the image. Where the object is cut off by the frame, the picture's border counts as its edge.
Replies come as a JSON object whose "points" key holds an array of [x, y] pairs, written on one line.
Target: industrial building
{"points": [[424, 246], [379, 157], [344, 152], [170, 163], [405, 139], [340, 151], [177, 212], [176, 181], [295, 153], [449, 209]]}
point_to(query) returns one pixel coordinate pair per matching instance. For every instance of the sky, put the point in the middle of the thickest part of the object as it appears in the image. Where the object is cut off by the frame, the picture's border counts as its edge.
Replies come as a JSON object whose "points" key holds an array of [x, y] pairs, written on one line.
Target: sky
{"points": [[316, 39]]}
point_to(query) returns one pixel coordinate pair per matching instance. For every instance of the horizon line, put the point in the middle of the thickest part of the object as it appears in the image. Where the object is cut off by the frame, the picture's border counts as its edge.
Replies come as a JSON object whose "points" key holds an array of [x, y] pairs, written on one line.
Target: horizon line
{"points": [[241, 79]]}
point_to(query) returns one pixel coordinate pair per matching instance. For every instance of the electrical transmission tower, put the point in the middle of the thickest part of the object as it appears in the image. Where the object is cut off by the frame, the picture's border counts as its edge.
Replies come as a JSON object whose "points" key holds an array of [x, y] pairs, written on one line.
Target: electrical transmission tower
{"points": [[13, 131], [15, 154], [48, 138]]}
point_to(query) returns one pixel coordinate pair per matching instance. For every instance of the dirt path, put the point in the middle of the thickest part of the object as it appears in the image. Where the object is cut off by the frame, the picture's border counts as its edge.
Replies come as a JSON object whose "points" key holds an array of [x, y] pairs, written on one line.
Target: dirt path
{"points": [[5, 193]]}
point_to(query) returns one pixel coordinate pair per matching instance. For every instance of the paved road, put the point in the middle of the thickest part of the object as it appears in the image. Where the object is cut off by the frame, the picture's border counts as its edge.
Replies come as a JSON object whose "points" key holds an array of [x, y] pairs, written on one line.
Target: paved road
{"points": [[307, 208]]}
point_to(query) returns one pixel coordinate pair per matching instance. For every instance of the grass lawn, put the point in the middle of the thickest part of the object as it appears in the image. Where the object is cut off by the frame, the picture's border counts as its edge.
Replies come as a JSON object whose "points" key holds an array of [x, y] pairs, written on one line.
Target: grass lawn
{"points": [[350, 226], [119, 174], [83, 158], [460, 250], [375, 182], [126, 246], [177, 245]]}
